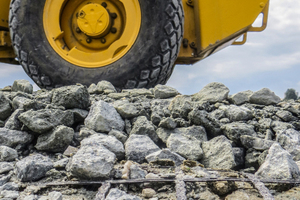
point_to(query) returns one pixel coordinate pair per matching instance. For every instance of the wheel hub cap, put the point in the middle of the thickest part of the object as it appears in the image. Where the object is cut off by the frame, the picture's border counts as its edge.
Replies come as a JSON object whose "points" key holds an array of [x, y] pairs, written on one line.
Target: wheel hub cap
{"points": [[94, 20]]}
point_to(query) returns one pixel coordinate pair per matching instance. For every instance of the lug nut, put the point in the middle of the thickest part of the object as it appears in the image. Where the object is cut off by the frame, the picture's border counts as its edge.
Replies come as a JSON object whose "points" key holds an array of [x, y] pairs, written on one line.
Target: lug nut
{"points": [[78, 30], [88, 40], [113, 30], [114, 15], [103, 40], [104, 4]]}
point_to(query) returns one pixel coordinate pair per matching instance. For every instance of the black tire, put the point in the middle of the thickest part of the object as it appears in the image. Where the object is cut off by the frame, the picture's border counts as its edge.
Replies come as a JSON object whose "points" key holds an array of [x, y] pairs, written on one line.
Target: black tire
{"points": [[149, 62]]}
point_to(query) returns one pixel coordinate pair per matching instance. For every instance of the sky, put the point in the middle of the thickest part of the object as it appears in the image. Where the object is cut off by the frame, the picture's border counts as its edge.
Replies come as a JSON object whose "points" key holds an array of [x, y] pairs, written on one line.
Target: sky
{"points": [[269, 59]]}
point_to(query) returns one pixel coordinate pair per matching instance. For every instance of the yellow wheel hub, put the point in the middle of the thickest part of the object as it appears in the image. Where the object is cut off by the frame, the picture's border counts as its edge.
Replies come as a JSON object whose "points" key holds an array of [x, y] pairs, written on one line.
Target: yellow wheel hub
{"points": [[94, 20], [92, 33]]}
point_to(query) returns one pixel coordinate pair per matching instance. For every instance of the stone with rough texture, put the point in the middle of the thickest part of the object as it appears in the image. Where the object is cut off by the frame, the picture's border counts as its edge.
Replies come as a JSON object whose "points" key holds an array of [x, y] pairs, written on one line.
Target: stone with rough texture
{"points": [[13, 122], [136, 172], [255, 143], [168, 123], [33, 168], [238, 113], [278, 126], [12, 138], [241, 97], [103, 117], [236, 129], [121, 136], [218, 153], [7, 154], [126, 110], [5, 108], [116, 194], [279, 164], [159, 108], [56, 140], [104, 86], [213, 92], [6, 167], [290, 141], [22, 86], [286, 116], [75, 96], [186, 146], [109, 142], [264, 97], [8, 195], [92, 162], [79, 114], [137, 147], [144, 127], [19, 101], [244, 195], [55, 196], [44, 120], [165, 154], [180, 106], [164, 92]]}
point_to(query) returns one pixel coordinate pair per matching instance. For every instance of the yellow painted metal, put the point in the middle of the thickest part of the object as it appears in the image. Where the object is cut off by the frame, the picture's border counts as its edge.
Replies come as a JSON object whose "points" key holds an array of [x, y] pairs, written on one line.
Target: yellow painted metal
{"points": [[90, 48], [6, 50], [4, 9]]}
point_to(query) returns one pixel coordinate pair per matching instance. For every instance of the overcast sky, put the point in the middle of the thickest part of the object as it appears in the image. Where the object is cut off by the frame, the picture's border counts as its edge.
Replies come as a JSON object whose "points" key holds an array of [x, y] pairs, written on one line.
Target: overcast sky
{"points": [[269, 59]]}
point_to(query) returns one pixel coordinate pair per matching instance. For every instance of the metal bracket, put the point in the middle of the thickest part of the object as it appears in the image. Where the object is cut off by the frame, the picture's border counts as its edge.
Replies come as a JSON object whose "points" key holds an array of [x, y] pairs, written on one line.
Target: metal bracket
{"points": [[241, 42], [265, 13]]}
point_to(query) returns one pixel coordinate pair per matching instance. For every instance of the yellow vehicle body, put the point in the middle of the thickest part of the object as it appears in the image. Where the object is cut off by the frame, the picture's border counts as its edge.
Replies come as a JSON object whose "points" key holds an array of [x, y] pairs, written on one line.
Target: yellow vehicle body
{"points": [[209, 26]]}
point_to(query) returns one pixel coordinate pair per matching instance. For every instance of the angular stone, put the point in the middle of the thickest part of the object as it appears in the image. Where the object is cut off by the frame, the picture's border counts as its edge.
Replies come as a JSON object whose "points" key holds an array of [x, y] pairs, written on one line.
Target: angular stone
{"points": [[5, 108], [218, 154], [121, 136], [8, 195], [138, 92], [168, 123], [103, 117], [79, 114], [180, 106], [255, 143], [126, 110], [19, 102], [42, 121], [12, 138], [290, 141], [144, 127], [159, 108], [116, 194], [109, 142], [44, 96], [212, 93], [13, 122], [278, 126], [22, 86], [238, 113], [252, 158], [6, 167], [55, 196], [241, 97], [164, 92], [239, 156], [61, 163], [186, 146], [286, 116], [165, 154], [33, 168], [136, 172], [264, 97], [243, 194], [7, 154], [148, 193], [56, 140], [92, 162], [104, 86], [137, 147], [236, 129], [279, 164]]}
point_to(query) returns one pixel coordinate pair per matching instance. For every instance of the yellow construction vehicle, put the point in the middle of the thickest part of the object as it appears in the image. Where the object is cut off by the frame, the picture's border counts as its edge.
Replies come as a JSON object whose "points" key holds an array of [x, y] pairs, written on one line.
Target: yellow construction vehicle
{"points": [[131, 43]]}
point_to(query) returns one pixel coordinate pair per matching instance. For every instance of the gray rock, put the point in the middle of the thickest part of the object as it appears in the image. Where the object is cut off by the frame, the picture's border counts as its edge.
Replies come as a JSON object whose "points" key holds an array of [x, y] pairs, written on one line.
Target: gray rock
{"points": [[255, 143], [239, 156], [1, 123], [34, 105], [159, 109], [104, 86], [168, 123], [19, 102], [7, 154], [61, 163], [126, 110], [241, 97], [121, 136], [236, 129], [56, 140], [8, 195], [55, 196], [42, 121], [33, 168], [75, 96], [138, 92], [164, 92], [116, 194], [264, 124], [278, 165], [290, 141], [238, 113], [186, 146], [144, 127], [252, 158], [44, 96], [278, 126], [10, 186], [180, 106], [218, 154], [92, 162], [286, 116], [5, 108], [109, 142], [212, 93], [22, 86], [103, 117], [218, 114], [13, 122], [136, 172], [165, 154], [12, 138], [79, 114], [264, 97], [137, 147], [6, 167]]}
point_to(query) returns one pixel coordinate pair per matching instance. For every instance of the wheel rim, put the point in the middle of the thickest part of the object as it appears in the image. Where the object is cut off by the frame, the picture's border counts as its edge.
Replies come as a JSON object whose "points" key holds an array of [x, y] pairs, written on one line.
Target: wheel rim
{"points": [[92, 33]]}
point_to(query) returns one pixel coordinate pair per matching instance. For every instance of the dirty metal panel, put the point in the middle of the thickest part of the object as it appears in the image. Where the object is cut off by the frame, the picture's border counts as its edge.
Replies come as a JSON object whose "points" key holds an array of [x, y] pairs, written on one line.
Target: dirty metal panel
{"points": [[4, 10]]}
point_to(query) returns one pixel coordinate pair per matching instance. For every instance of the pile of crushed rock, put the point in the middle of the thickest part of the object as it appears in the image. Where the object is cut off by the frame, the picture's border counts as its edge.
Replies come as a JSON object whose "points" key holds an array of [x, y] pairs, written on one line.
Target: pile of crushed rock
{"points": [[75, 133]]}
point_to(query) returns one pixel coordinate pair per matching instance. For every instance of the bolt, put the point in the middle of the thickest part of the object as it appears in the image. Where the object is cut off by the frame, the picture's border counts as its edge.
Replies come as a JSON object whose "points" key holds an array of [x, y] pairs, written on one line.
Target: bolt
{"points": [[78, 30], [88, 40], [82, 14], [113, 30], [190, 1], [104, 4], [114, 15], [103, 40]]}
